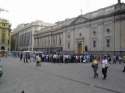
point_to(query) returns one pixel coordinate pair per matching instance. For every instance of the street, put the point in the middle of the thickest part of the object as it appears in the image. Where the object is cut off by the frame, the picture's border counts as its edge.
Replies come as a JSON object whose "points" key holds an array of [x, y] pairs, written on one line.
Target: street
{"points": [[59, 78]]}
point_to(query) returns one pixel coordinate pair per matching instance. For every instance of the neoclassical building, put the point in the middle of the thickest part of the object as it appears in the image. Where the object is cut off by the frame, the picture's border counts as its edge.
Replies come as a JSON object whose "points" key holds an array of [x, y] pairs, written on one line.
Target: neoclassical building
{"points": [[97, 31], [23, 35], [5, 30]]}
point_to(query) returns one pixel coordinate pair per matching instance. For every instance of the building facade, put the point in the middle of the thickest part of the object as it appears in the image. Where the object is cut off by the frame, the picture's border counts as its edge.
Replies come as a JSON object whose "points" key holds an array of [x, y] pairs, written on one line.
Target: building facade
{"points": [[5, 30], [101, 30], [22, 35]]}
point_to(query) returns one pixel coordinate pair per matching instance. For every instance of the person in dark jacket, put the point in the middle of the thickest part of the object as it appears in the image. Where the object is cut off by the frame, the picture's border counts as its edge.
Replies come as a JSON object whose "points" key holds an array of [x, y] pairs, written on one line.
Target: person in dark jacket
{"points": [[21, 57], [124, 63]]}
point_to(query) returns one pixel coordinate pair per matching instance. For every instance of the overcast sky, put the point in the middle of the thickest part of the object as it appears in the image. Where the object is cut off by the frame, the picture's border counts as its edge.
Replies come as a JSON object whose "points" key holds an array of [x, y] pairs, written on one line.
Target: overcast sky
{"points": [[23, 11]]}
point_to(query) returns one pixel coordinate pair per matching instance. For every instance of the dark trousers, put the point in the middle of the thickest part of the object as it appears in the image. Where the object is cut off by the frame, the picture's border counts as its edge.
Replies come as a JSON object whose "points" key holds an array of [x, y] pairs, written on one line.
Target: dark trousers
{"points": [[95, 68], [104, 72], [124, 69]]}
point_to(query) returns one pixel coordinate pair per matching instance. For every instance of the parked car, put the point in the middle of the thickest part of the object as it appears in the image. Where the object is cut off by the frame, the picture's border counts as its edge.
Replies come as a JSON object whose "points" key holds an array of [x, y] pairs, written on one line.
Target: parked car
{"points": [[1, 70]]}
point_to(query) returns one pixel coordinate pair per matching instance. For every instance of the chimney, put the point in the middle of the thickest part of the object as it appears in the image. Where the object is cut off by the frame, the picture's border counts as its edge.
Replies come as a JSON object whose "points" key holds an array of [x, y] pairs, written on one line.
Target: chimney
{"points": [[119, 1]]}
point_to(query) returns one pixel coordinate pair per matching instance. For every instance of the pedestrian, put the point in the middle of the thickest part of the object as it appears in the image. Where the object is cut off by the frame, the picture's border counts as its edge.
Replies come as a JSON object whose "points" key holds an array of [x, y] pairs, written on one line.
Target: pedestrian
{"points": [[105, 66], [124, 63], [124, 69], [24, 57], [21, 56], [33, 57], [114, 59], [95, 67], [22, 91], [120, 59], [38, 60], [29, 57], [109, 59]]}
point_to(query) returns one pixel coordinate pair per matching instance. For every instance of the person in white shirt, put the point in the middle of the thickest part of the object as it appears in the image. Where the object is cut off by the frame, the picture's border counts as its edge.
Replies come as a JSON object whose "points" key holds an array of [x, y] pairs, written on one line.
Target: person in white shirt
{"points": [[38, 60], [104, 67]]}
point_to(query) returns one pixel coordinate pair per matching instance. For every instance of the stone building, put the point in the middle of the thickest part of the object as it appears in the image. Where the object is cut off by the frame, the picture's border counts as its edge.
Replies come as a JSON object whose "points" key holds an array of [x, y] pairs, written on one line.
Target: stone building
{"points": [[5, 30], [22, 35], [97, 31], [50, 39]]}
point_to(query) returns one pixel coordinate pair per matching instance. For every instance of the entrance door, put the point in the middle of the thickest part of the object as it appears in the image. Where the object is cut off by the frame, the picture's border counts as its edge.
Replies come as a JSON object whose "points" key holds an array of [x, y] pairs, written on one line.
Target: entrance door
{"points": [[80, 48]]}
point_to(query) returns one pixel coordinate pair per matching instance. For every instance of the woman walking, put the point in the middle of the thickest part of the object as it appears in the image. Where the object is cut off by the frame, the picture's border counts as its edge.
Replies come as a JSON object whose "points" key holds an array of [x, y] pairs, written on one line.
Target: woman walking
{"points": [[95, 67]]}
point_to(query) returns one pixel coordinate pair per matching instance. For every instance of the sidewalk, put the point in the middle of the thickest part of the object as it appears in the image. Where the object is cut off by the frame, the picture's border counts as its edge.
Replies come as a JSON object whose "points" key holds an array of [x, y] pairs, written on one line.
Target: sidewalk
{"points": [[83, 74]]}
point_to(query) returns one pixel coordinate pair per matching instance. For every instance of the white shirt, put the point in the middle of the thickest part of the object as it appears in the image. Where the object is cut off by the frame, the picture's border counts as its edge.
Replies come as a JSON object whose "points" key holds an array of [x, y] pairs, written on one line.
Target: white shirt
{"points": [[38, 58], [104, 63]]}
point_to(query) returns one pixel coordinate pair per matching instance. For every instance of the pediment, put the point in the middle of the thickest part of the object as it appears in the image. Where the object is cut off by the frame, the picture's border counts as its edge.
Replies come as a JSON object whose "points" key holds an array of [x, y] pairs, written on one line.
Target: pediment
{"points": [[79, 19]]}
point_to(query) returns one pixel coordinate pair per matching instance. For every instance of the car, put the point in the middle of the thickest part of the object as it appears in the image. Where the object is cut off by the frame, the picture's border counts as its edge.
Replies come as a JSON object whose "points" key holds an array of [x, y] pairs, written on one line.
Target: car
{"points": [[1, 70]]}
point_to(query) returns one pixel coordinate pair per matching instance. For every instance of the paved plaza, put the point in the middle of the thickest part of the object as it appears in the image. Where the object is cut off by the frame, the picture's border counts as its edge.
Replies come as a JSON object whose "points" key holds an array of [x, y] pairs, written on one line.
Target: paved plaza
{"points": [[59, 78]]}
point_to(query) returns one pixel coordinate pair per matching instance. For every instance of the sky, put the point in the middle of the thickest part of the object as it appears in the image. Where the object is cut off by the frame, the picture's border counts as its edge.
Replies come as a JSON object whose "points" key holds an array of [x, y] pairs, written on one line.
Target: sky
{"points": [[51, 11]]}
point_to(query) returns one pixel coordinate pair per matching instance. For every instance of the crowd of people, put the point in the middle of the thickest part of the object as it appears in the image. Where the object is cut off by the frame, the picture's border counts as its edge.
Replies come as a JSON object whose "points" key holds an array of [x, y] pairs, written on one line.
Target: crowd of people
{"points": [[68, 58], [95, 60], [55, 58]]}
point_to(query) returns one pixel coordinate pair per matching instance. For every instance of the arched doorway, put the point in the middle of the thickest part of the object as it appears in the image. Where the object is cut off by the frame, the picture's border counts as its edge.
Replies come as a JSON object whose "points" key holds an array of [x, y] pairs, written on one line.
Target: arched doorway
{"points": [[2, 48], [80, 45], [2, 51]]}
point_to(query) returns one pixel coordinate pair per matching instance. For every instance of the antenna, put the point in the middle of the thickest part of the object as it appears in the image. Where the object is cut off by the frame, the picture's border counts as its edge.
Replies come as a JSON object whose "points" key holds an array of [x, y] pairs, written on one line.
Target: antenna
{"points": [[81, 11]]}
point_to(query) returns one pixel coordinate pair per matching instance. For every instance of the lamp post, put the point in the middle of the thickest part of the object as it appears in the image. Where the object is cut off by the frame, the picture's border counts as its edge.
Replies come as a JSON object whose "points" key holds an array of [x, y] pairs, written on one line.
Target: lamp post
{"points": [[50, 42]]}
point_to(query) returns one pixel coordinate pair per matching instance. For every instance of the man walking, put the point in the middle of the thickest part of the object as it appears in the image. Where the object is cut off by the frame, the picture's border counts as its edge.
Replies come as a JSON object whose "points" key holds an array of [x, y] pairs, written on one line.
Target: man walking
{"points": [[21, 56], [124, 63], [104, 67]]}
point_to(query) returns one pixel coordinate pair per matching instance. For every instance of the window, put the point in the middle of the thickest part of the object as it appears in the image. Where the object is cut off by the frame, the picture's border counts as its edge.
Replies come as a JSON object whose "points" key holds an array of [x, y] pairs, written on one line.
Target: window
{"points": [[3, 24], [60, 41], [38, 42], [108, 42], [8, 42], [94, 43], [45, 42], [80, 34], [48, 41], [108, 30], [68, 36], [94, 33], [3, 37], [68, 44], [53, 40], [86, 48], [56, 39]]}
